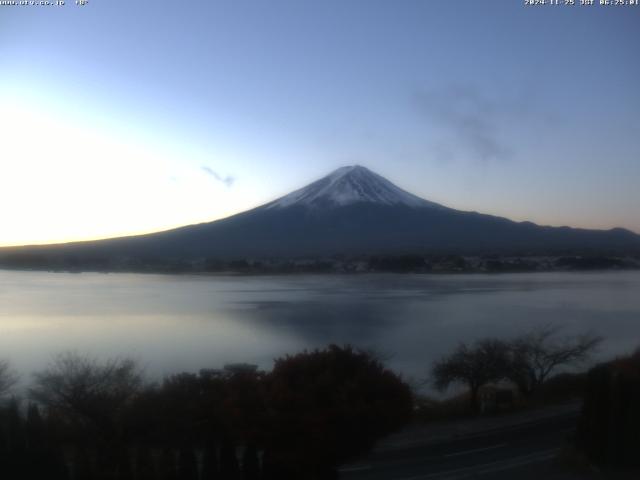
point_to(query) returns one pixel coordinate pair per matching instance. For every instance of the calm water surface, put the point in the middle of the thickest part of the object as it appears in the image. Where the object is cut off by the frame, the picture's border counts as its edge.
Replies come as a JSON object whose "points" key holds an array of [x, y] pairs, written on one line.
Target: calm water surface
{"points": [[185, 322]]}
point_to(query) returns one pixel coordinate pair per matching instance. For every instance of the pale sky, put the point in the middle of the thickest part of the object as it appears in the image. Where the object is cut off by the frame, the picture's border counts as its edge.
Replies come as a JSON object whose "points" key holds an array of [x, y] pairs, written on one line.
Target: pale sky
{"points": [[126, 117]]}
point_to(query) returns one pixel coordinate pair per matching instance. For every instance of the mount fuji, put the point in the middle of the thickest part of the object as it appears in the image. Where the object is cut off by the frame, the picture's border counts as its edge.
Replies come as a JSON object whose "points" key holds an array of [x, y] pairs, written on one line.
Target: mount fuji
{"points": [[352, 211]]}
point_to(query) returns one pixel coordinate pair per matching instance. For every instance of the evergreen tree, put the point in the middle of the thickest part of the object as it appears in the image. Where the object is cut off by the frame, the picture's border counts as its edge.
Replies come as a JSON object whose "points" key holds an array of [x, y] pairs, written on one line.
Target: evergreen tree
{"points": [[35, 429], [16, 442], [250, 463], [144, 464], [167, 465], [229, 468], [82, 464], [187, 464], [210, 465], [124, 470]]}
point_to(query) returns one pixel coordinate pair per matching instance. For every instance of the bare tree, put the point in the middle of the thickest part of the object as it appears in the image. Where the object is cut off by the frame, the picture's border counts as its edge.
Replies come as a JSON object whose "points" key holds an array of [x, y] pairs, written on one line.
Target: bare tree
{"points": [[8, 378], [483, 362], [87, 390], [537, 354]]}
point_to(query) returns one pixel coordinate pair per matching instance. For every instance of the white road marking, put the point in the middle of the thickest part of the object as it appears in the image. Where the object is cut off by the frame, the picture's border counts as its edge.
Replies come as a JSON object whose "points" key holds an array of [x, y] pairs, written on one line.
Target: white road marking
{"points": [[460, 473], [355, 468], [475, 450]]}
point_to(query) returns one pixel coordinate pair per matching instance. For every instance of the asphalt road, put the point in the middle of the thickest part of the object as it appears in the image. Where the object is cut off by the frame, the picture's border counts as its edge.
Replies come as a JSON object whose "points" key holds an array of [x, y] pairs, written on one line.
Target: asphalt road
{"points": [[510, 452]]}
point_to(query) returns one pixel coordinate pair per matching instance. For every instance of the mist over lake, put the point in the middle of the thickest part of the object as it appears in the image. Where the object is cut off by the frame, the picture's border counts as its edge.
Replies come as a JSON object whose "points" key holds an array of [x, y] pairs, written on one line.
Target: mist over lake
{"points": [[174, 323]]}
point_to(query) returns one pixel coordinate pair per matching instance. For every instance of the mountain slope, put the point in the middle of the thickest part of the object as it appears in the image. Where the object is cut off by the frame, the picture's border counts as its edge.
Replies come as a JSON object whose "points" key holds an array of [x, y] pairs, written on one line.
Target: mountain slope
{"points": [[350, 211]]}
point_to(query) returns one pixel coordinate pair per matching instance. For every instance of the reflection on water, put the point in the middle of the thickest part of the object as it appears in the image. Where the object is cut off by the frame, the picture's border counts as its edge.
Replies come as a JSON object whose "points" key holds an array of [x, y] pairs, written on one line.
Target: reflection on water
{"points": [[174, 323]]}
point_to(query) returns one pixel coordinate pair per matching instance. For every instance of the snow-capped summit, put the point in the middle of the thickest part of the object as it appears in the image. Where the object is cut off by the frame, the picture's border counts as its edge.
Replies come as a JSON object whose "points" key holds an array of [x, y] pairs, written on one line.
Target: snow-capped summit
{"points": [[350, 185]]}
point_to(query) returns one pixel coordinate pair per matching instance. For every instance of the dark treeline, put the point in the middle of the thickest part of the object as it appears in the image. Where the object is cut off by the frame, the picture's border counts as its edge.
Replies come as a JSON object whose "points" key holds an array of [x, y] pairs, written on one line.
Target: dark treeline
{"points": [[86, 419], [100, 420], [395, 263]]}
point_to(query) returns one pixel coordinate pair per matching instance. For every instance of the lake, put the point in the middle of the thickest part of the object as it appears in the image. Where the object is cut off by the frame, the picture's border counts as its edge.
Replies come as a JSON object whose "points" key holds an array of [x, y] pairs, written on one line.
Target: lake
{"points": [[175, 323]]}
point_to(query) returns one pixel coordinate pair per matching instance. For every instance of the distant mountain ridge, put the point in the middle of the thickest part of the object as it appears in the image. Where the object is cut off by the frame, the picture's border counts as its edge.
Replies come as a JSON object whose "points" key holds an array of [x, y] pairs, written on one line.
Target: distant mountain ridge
{"points": [[351, 211]]}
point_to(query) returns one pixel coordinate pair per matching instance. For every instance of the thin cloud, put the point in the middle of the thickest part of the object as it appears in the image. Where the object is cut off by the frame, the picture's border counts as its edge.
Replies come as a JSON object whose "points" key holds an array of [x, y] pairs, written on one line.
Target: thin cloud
{"points": [[228, 180], [471, 119]]}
